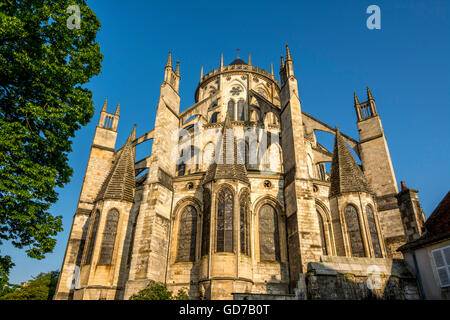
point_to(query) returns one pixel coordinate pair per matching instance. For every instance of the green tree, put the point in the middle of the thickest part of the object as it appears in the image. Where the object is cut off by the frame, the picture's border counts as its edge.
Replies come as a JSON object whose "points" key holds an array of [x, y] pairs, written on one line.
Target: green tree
{"points": [[43, 67], [42, 287], [159, 291]]}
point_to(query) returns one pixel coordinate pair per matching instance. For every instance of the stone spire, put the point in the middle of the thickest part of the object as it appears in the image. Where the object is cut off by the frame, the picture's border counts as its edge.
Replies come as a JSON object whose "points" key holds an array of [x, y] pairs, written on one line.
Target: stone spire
{"points": [[282, 63], [201, 74], [228, 164], [288, 54], [369, 94], [221, 60], [355, 99], [169, 60], [346, 175], [105, 105], [120, 182], [177, 69], [271, 69], [249, 59], [117, 113]]}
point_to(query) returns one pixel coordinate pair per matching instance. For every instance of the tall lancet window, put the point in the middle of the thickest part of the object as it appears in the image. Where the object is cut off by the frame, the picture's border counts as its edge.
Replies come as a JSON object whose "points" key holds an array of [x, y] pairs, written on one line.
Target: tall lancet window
{"points": [[241, 110], [225, 221], [187, 235], [244, 223], [109, 237], [373, 232], [91, 245], [206, 221], [269, 240], [354, 231], [231, 109], [322, 233]]}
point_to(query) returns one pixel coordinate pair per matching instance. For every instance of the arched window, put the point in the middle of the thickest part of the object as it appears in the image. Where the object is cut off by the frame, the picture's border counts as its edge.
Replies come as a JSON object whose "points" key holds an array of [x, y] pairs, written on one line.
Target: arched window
{"points": [[225, 221], [187, 235], [214, 117], [109, 237], [90, 247], [269, 243], [354, 231], [231, 109], [244, 223], [206, 221], [322, 233], [241, 110], [373, 232]]}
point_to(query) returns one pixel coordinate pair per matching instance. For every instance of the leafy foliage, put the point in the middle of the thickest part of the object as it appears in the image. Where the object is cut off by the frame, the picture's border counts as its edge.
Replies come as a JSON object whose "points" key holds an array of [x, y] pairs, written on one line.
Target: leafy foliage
{"points": [[159, 291], [42, 287], [43, 65]]}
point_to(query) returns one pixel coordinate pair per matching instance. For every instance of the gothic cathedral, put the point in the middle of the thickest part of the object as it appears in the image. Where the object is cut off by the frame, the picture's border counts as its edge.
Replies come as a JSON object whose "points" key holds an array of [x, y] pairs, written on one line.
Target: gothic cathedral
{"points": [[240, 203]]}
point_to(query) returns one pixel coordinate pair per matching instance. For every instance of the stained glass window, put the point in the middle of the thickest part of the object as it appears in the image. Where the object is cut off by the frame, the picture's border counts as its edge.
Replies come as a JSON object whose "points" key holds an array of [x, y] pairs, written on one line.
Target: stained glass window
{"points": [[109, 237], [187, 235], [225, 221], [231, 109], [373, 232], [206, 221], [354, 231], [244, 223], [269, 243], [91, 245]]}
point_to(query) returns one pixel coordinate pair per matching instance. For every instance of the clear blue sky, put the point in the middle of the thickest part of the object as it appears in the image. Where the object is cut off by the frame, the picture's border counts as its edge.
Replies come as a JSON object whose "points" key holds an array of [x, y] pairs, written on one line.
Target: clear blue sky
{"points": [[406, 64]]}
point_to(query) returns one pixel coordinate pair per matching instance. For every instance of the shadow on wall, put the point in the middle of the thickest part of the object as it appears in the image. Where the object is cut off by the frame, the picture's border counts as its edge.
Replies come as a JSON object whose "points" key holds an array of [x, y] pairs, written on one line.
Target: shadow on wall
{"points": [[344, 278]]}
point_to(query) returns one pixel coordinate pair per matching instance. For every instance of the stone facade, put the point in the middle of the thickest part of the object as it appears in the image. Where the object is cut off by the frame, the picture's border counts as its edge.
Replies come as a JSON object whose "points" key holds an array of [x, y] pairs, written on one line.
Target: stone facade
{"points": [[235, 198]]}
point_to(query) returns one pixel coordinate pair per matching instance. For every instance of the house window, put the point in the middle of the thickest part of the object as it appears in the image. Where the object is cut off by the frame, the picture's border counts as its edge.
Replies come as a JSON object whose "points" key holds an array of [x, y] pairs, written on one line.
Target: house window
{"points": [[206, 221], [322, 233], [373, 232], [441, 258], [187, 235], [225, 221], [244, 223], [269, 243], [109, 237], [354, 231]]}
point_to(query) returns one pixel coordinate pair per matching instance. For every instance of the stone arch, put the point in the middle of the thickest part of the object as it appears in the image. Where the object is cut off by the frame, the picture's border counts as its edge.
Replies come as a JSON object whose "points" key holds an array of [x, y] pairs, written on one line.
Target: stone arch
{"points": [[323, 213], [184, 202]]}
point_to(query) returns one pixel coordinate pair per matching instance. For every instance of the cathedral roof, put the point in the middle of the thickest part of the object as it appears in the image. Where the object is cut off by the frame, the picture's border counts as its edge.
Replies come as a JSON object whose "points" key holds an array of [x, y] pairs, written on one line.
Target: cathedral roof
{"points": [[226, 165], [120, 182], [237, 61], [346, 174]]}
